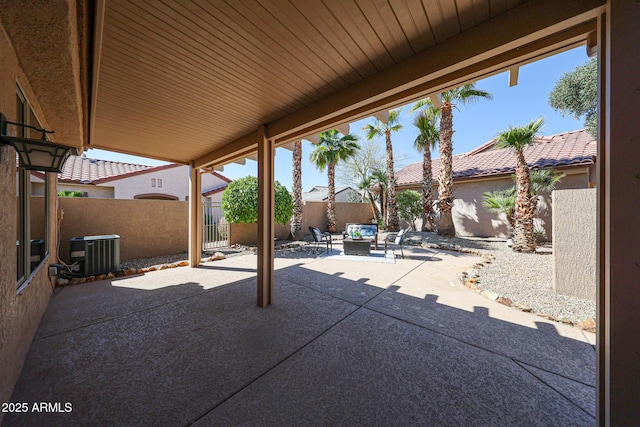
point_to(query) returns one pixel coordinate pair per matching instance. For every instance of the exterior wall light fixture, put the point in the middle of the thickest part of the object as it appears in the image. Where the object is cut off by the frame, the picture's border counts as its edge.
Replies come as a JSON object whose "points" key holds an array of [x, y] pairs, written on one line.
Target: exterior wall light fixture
{"points": [[36, 154]]}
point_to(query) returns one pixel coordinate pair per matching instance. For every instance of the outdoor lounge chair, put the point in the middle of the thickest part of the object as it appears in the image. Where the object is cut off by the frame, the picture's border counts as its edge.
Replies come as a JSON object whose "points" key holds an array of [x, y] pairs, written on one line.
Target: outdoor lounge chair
{"points": [[320, 237], [399, 240]]}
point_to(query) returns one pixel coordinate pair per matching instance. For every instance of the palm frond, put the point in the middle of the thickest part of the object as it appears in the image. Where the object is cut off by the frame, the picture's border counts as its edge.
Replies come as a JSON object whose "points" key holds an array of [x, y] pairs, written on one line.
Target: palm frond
{"points": [[517, 137]]}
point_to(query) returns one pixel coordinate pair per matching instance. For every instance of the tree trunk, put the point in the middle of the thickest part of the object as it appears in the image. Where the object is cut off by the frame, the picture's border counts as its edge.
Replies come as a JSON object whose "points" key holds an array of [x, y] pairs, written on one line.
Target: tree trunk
{"points": [[392, 207], [331, 202], [383, 206], [524, 239], [374, 207], [296, 222], [427, 186], [445, 180]]}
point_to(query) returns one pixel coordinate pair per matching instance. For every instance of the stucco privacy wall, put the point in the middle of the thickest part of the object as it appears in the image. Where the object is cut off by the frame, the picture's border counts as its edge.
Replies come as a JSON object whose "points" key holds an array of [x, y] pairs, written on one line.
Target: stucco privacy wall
{"points": [[146, 227], [21, 313], [574, 242], [314, 214]]}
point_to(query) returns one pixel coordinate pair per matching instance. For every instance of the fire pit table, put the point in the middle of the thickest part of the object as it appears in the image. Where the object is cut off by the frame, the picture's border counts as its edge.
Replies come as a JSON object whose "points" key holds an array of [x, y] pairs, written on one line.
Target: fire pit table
{"points": [[357, 246]]}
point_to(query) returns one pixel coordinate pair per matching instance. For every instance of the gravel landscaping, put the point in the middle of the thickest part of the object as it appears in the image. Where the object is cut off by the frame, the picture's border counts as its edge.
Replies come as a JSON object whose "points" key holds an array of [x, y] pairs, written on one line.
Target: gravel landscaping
{"points": [[525, 280]]}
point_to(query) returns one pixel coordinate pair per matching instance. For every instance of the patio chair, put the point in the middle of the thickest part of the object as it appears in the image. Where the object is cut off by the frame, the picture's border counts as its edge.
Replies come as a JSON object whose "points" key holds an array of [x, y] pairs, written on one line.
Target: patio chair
{"points": [[320, 237], [399, 240]]}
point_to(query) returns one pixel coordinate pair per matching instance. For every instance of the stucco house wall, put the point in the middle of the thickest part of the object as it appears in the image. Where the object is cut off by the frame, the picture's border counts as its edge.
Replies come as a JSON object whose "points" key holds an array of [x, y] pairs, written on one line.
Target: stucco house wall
{"points": [[20, 313], [471, 219]]}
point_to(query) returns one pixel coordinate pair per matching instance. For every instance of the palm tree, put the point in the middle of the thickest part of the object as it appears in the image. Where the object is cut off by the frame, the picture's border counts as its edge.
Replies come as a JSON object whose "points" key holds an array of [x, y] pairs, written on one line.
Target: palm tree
{"points": [[380, 128], [450, 99], [504, 201], [516, 138], [296, 221], [330, 150], [365, 186], [379, 179], [427, 138]]}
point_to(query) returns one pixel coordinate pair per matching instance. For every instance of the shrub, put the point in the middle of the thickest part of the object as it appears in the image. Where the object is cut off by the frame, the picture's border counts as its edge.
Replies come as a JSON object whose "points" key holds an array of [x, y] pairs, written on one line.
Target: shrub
{"points": [[409, 206], [240, 202]]}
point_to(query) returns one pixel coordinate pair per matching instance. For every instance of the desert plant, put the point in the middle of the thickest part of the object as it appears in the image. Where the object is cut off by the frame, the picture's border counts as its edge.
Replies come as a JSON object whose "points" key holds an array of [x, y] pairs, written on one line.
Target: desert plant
{"points": [[410, 206], [69, 193], [240, 201]]}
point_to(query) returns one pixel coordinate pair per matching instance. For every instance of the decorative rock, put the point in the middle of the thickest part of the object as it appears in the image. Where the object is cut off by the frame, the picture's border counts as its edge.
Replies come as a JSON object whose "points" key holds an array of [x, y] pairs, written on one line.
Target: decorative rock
{"points": [[183, 264], [524, 308], [588, 325], [491, 295], [110, 275], [91, 279], [121, 273], [101, 276], [505, 301], [473, 272], [77, 280], [164, 267], [152, 268], [143, 270], [130, 271], [565, 321], [62, 282]]}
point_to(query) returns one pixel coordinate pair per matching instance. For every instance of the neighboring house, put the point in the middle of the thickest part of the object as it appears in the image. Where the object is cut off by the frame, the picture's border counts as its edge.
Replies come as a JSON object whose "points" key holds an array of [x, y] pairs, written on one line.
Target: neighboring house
{"points": [[321, 194], [116, 180], [487, 169]]}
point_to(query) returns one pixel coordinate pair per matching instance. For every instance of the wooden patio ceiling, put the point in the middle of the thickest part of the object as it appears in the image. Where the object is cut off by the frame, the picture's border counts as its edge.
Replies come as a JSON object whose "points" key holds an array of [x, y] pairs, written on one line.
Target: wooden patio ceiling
{"points": [[191, 81]]}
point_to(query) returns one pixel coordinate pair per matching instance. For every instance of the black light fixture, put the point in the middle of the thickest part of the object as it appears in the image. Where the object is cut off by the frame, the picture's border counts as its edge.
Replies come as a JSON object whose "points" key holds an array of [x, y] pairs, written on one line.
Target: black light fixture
{"points": [[36, 154]]}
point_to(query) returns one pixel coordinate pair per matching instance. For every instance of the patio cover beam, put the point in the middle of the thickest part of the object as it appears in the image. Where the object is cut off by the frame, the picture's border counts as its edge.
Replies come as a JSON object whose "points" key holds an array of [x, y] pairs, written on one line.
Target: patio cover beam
{"points": [[526, 33]]}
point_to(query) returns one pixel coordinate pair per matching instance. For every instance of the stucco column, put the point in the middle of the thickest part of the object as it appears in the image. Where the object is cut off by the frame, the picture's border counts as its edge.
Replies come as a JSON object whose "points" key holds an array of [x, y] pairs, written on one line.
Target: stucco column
{"points": [[195, 217], [619, 211], [266, 151]]}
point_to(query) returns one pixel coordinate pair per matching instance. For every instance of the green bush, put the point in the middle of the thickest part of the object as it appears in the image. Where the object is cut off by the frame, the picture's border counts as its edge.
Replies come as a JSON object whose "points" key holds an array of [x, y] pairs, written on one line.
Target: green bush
{"points": [[409, 205], [240, 202]]}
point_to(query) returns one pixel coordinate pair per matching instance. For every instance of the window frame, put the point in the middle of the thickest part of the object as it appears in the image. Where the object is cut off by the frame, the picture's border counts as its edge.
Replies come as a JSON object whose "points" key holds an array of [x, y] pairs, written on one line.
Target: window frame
{"points": [[25, 271]]}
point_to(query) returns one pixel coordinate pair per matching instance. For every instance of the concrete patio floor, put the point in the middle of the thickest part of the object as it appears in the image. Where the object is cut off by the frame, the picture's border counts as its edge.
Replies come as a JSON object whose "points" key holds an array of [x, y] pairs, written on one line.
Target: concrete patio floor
{"points": [[345, 343]]}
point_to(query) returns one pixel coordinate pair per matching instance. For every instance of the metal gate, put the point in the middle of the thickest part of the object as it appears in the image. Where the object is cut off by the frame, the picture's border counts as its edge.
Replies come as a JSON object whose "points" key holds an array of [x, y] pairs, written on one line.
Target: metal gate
{"points": [[215, 230]]}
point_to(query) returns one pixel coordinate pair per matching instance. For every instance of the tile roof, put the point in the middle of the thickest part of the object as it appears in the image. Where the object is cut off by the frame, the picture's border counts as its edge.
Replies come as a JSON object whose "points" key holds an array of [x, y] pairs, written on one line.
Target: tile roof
{"points": [[84, 170], [576, 148]]}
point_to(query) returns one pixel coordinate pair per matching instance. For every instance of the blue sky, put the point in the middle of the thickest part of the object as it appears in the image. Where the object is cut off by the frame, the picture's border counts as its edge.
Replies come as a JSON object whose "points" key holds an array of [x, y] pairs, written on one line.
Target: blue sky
{"points": [[474, 124]]}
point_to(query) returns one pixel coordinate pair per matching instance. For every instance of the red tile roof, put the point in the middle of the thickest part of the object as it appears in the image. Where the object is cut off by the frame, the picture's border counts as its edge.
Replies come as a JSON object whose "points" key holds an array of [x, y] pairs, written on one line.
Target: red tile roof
{"points": [[576, 148], [93, 171]]}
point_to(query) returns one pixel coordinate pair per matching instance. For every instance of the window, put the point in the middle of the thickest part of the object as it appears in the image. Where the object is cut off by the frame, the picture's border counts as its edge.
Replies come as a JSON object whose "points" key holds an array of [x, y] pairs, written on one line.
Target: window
{"points": [[159, 182], [32, 212], [153, 182]]}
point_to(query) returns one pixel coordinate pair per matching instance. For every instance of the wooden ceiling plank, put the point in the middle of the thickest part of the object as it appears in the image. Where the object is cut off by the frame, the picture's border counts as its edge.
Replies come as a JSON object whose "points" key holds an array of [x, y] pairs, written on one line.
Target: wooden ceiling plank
{"points": [[481, 11], [506, 33], [181, 88], [187, 50], [326, 25], [350, 16], [497, 7], [450, 17], [314, 46], [280, 57], [183, 85], [436, 20], [414, 22], [465, 14], [384, 20]]}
